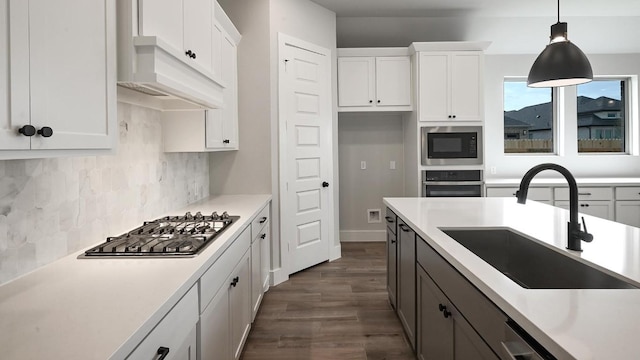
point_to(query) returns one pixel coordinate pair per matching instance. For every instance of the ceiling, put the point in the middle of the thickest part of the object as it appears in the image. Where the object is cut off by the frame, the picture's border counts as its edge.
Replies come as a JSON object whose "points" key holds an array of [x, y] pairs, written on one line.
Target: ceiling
{"points": [[482, 8]]}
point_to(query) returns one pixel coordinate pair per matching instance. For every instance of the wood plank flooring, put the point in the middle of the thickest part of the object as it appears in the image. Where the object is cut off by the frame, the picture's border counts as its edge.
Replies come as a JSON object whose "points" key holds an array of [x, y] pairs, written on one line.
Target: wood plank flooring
{"points": [[337, 310]]}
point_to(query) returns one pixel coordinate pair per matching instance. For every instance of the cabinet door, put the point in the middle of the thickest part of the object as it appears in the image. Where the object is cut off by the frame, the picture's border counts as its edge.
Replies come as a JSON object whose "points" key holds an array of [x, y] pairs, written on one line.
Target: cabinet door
{"points": [[240, 304], [188, 349], [221, 126], [71, 73], [163, 19], [256, 277], [392, 263], [628, 212], [393, 81], [433, 87], [215, 322], [406, 296], [600, 208], [435, 332], [356, 81], [198, 31], [466, 87], [265, 251]]}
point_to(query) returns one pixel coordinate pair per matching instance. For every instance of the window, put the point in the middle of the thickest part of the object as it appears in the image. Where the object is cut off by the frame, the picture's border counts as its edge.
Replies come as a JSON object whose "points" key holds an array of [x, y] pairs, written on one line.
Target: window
{"points": [[602, 116], [528, 118]]}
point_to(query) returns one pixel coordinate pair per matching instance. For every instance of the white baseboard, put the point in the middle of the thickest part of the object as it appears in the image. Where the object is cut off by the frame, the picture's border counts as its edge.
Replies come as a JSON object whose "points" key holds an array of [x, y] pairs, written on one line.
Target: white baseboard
{"points": [[362, 235], [278, 276], [336, 253]]}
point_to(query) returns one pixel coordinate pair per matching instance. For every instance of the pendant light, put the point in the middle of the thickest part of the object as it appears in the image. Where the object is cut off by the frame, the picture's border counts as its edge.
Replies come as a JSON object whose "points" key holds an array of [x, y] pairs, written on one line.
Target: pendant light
{"points": [[561, 63]]}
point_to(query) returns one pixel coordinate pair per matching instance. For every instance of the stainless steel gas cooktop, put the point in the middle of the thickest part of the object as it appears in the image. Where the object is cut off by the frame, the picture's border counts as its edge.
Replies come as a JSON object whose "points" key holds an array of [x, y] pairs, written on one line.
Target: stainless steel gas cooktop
{"points": [[171, 236]]}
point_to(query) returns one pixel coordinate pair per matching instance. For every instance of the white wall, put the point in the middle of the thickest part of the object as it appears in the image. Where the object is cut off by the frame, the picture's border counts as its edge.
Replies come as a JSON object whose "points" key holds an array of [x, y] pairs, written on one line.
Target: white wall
{"points": [[376, 138], [514, 166], [254, 168], [50, 208]]}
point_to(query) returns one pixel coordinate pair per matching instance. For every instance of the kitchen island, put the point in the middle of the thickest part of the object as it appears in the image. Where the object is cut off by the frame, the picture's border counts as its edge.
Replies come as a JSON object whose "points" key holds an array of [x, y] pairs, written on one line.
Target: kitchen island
{"points": [[568, 323], [103, 308]]}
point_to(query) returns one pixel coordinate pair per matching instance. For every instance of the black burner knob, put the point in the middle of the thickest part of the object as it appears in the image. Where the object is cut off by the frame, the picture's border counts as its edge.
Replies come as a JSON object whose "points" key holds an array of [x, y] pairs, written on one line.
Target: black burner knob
{"points": [[225, 216], [188, 216], [199, 216], [215, 215]]}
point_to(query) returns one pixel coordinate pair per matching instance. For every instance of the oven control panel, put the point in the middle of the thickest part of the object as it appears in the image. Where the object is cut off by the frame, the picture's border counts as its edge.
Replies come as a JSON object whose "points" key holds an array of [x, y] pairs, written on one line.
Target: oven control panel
{"points": [[452, 175]]}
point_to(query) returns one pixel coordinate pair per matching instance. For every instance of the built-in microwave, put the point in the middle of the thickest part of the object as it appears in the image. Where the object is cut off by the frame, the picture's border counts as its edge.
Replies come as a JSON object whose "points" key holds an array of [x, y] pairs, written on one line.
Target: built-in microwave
{"points": [[451, 145]]}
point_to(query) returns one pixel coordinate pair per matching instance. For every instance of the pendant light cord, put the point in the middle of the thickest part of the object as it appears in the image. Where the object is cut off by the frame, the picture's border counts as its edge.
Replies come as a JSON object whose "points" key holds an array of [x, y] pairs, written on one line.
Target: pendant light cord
{"points": [[558, 10]]}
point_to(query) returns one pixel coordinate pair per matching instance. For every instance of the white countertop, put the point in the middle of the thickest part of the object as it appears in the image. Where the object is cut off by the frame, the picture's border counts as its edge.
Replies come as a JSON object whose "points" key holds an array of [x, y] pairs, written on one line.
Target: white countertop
{"points": [[102, 308], [570, 323], [562, 182]]}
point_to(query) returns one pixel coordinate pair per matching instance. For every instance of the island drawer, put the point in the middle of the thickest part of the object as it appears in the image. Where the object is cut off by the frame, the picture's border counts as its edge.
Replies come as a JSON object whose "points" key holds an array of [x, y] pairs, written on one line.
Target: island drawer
{"points": [[391, 220], [259, 221], [585, 193], [481, 313], [534, 193], [628, 193]]}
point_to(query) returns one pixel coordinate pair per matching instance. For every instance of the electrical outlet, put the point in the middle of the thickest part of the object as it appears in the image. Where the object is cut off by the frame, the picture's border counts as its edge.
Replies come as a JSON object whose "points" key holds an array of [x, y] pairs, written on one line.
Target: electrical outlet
{"points": [[392, 165], [493, 170], [363, 165]]}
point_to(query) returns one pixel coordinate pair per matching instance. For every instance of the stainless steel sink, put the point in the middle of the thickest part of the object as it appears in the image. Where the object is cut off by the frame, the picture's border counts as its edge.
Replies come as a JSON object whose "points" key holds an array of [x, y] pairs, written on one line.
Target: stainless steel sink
{"points": [[531, 264]]}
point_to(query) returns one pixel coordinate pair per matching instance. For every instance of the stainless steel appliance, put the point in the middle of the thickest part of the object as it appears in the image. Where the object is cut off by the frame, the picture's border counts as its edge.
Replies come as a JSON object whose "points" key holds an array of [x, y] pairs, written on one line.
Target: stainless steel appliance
{"points": [[452, 183], [170, 236], [451, 145]]}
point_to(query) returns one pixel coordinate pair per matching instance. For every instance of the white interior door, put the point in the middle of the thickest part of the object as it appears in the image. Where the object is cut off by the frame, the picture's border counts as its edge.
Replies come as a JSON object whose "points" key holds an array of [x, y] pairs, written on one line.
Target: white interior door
{"points": [[306, 199]]}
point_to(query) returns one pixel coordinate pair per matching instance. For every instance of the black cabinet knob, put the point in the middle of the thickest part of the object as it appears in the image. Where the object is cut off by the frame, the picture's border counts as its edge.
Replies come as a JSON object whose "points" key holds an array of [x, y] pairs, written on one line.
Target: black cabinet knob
{"points": [[449, 116], [404, 227], [163, 352], [370, 101], [263, 236], [453, 116], [389, 219], [325, 184], [263, 220], [444, 310], [27, 130], [188, 53], [193, 55], [393, 241], [45, 131], [226, 141], [378, 101], [235, 281]]}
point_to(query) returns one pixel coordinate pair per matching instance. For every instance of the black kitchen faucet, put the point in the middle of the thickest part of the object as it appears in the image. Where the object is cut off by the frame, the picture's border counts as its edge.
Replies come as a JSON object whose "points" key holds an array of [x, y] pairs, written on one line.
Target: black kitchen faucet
{"points": [[574, 232]]}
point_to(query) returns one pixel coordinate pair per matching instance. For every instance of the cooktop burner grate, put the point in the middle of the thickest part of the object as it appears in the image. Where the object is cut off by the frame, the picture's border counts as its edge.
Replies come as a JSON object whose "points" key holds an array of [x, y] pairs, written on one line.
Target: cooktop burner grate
{"points": [[170, 236]]}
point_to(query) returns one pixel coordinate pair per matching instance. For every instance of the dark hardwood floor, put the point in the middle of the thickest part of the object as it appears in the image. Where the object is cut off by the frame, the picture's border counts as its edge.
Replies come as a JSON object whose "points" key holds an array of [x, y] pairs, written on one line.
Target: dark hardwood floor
{"points": [[337, 310]]}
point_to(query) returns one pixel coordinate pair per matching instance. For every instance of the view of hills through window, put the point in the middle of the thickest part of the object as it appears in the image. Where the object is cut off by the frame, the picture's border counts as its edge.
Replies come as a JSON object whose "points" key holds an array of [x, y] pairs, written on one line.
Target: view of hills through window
{"points": [[529, 120]]}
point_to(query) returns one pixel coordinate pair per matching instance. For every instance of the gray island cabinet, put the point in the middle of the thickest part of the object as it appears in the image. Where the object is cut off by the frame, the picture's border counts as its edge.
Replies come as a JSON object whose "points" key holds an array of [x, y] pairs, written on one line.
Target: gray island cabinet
{"points": [[465, 308]]}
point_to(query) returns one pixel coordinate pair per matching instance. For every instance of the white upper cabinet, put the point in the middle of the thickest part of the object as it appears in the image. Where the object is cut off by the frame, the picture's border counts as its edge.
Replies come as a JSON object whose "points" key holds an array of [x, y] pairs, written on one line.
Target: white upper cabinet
{"points": [[58, 75], [217, 129], [450, 86], [374, 83], [167, 49]]}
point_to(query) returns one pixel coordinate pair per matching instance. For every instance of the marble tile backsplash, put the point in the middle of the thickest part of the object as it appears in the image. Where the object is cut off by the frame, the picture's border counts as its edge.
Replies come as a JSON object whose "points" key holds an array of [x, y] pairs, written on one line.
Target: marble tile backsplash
{"points": [[50, 208]]}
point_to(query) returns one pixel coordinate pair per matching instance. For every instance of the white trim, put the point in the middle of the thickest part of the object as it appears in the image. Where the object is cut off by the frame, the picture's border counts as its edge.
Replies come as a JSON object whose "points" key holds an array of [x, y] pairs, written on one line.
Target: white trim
{"points": [[391, 51], [362, 235]]}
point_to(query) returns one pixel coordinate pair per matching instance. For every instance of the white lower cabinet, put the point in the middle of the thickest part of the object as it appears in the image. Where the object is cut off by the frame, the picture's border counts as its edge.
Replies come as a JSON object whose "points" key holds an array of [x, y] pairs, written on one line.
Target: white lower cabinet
{"points": [[599, 208], [175, 335], [260, 262], [225, 296], [628, 212]]}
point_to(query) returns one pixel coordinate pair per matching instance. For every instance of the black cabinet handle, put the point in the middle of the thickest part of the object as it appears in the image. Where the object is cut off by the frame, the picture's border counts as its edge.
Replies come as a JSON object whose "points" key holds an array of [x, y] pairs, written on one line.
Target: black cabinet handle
{"points": [[404, 227], [325, 184], [389, 219], [444, 310], [45, 131], [263, 220], [378, 101], [449, 116], [393, 241], [235, 281], [163, 352], [370, 101], [584, 205], [226, 141], [193, 55], [27, 130], [263, 236], [188, 53], [453, 116]]}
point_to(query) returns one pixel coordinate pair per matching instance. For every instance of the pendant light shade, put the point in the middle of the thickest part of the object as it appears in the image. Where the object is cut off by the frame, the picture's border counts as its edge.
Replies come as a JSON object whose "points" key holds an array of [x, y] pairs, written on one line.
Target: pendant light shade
{"points": [[561, 63]]}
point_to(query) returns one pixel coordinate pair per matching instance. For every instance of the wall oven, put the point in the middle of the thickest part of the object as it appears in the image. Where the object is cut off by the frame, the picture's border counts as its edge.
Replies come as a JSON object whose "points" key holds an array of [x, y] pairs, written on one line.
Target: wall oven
{"points": [[452, 183], [451, 145]]}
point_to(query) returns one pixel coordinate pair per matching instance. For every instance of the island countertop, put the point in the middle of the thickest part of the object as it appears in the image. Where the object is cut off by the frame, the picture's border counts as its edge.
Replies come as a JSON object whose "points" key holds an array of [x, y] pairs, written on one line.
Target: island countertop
{"points": [[569, 323], [102, 308]]}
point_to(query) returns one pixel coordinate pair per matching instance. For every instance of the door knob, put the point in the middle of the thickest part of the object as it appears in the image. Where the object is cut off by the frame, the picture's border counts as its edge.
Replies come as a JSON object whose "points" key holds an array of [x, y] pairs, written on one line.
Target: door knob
{"points": [[325, 184]]}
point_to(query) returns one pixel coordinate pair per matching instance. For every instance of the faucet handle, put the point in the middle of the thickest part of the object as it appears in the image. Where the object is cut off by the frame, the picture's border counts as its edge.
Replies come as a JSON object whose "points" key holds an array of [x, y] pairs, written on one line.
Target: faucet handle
{"points": [[585, 234]]}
